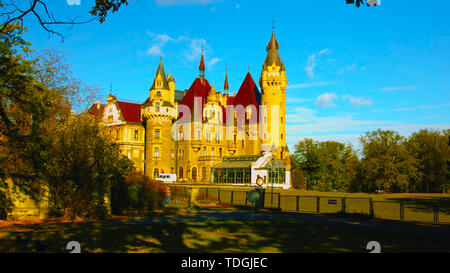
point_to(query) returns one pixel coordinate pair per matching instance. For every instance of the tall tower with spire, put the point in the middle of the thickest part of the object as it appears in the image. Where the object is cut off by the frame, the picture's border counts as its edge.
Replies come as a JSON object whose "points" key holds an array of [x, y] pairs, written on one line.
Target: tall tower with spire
{"points": [[273, 83], [158, 114]]}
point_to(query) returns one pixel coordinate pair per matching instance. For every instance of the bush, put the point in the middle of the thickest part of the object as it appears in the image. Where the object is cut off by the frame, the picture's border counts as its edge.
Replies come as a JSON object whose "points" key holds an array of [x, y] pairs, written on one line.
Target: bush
{"points": [[137, 192]]}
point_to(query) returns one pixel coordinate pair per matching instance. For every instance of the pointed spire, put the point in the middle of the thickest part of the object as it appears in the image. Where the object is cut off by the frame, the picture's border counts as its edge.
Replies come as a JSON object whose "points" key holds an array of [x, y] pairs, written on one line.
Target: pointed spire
{"points": [[162, 77], [225, 86], [273, 56], [201, 67]]}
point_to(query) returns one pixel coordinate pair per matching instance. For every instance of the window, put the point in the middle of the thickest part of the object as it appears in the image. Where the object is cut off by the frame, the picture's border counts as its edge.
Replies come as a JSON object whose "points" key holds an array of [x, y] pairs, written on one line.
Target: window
{"points": [[157, 106], [204, 151], [194, 173], [220, 151], [136, 134], [155, 173], [212, 151], [180, 173], [281, 136], [157, 133], [281, 120], [204, 174], [172, 154], [156, 152], [158, 93]]}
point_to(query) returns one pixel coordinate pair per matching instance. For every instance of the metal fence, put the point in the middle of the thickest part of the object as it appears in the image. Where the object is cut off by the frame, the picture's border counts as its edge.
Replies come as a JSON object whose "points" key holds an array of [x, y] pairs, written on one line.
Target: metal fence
{"points": [[436, 213]]}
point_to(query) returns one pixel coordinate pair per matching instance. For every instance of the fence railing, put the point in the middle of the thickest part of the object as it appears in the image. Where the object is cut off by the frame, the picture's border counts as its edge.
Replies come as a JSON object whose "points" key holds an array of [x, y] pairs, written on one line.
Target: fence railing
{"points": [[436, 213]]}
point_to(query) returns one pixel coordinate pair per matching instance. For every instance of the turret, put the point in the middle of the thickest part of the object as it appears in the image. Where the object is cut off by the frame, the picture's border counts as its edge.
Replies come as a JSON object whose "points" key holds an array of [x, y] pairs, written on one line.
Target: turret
{"points": [[273, 86]]}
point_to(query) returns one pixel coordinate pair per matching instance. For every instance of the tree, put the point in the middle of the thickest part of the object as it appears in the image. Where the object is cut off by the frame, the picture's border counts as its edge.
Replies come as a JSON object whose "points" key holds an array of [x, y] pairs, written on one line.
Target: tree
{"points": [[83, 166], [386, 164], [432, 152], [327, 165]]}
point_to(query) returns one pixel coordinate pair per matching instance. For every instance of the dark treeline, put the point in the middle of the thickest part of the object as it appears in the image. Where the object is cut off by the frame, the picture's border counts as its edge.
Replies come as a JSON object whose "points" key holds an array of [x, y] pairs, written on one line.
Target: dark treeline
{"points": [[385, 161]]}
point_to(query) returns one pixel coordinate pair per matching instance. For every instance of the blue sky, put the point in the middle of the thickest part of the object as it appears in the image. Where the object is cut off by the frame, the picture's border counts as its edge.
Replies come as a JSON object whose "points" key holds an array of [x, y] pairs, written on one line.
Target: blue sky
{"points": [[350, 70]]}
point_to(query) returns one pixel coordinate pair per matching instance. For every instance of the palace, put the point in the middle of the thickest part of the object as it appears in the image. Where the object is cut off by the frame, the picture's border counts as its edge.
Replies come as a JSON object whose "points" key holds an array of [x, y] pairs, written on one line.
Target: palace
{"points": [[206, 136]]}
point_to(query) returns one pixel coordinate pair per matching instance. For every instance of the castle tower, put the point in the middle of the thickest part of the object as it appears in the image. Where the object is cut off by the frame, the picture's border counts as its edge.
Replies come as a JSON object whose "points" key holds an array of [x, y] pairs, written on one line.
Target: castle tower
{"points": [[158, 115], [273, 83]]}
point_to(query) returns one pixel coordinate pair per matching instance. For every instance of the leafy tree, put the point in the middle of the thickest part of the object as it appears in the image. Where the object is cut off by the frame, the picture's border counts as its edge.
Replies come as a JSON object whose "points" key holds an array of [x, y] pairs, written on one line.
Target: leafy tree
{"points": [[432, 151], [387, 164], [83, 166], [327, 165], [43, 146]]}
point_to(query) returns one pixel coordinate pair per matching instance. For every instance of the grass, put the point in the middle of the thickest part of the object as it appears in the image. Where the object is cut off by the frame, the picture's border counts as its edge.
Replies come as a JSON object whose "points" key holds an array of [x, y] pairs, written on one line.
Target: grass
{"points": [[229, 236]]}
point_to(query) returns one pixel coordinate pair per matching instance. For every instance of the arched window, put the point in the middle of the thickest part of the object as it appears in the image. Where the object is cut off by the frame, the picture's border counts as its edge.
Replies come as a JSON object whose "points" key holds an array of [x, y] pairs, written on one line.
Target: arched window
{"points": [[212, 151], [180, 173], [204, 174], [194, 173], [155, 173], [220, 151], [204, 151], [156, 152]]}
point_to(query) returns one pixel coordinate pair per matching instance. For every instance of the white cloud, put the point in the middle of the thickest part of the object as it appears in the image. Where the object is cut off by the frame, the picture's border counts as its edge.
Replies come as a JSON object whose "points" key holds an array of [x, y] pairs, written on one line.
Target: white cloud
{"points": [[307, 85], [326, 100], [154, 51], [325, 51], [162, 38], [311, 64], [214, 61], [194, 50], [73, 2], [350, 67], [185, 2], [358, 101], [192, 46], [397, 88]]}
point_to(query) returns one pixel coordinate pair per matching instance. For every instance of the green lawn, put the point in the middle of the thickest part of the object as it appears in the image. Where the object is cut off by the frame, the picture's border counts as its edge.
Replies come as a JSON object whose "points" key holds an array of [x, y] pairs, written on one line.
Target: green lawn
{"points": [[218, 236]]}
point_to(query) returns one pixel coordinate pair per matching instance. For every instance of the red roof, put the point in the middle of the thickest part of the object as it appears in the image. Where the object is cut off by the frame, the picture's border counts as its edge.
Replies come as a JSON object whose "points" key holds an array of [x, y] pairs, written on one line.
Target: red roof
{"points": [[131, 112], [97, 111], [199, 88], [248, 94]]}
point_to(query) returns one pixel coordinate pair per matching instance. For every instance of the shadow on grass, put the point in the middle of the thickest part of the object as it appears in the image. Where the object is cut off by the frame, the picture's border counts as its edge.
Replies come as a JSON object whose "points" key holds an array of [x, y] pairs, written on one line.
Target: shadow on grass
{"points": [[215, 236]]}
